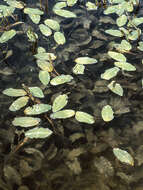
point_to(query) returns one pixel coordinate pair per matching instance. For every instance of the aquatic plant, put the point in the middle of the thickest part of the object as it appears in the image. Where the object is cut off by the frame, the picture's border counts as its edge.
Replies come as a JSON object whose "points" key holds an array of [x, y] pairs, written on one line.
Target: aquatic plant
{"points": [[127, 30]]}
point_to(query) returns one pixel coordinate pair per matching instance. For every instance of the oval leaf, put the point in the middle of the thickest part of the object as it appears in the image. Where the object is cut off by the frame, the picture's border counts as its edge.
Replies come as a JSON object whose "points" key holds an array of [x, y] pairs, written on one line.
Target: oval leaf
{"points": [[84, 117], [117, 56], [61, 79], [59, 38], [63, 114], [33, 11], [64, 13], [26, 121], [110, 73], [121, 21], [78, 69], [19, 103], [53, 24], [107, 113], [36, 92], [125, 66], [45, 30], [7, 35], [85, 60], [14, 92], [59, 102], [123, 156], [38, 132], [44, 77], [116, 88], [114, 32], [37, 109]]}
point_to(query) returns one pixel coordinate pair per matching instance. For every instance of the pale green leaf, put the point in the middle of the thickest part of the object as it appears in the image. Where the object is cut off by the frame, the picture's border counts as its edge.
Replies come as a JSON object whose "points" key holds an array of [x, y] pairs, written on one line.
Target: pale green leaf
{"points": [[84, 117], [36, 92], [59, 102], [41, 50], [45, 56], [137, 21], [45, 65], [116, 88], [122, 20], [71, 2], [110, 73], [91, 6], [19, 103], [46, 31], [123, 156], [117, 33], [63, 114], [124, 46], [107, 113], [53, 24], [134, 35], [117, 56], [64, 13], [44, 77], [78, 69], [85, 60], [140, 47], [7, 35], [59, 38], [16, 4], [14, 92], [125, 66], [33, 11], [26, 121], [38, 132], [37, 109], [61, 79], [59, 5], [35, 18]]}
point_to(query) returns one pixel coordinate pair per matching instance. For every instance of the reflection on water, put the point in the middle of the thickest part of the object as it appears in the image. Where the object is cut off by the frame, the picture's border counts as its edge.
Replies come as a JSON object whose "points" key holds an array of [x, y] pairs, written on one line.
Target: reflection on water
{"points": [[81, 156]]}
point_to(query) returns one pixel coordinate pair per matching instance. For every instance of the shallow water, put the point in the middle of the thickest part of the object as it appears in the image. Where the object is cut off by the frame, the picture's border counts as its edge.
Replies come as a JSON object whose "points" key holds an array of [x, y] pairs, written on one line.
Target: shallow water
{"points": [[79, 156]]}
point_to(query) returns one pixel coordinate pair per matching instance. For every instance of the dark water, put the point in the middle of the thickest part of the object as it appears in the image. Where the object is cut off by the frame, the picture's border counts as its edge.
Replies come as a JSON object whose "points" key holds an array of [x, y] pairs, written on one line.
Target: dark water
{"points": [[78, 156]]}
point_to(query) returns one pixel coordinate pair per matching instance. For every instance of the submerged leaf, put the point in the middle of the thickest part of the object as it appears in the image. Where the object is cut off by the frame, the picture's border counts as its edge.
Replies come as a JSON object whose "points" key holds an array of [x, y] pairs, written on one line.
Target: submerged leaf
{"points": [[84, 117], [63, 114], [107, 113], [19, 103], [61, 79], [38, 132], [123, 156], [37, 109], [26, 121], [59, 102], [14, 92]]}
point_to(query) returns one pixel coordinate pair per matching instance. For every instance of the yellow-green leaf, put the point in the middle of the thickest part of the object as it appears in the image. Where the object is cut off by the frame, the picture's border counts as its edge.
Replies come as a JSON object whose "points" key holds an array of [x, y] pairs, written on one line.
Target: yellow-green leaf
{"points": [[44, 77], [36, 92], [85, 60], [110, 73], [19, 103], [14, 92], [53, 24], [84, 117], [37, 109], [117, 56], [116, 88], [63, 114], [61, 79], [59, 38], [26, 121], [7, 35], [107, 113], [64, 13]]}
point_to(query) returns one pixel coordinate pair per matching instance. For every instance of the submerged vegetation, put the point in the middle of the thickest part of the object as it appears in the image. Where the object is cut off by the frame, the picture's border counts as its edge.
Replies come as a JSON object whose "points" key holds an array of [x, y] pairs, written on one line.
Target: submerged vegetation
{"points": [[38, 108]]}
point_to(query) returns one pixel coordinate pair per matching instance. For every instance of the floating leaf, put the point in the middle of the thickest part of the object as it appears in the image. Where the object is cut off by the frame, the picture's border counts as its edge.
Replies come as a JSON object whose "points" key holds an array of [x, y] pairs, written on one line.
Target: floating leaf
{"points": [[110, 73], [45, 30], [44, 77], [38, 132], [59, 38], [111, 9], [137, 21], [117, 56], [124, 46], [85, 60], [32, 36], [7, 35], [78, 69], [26, 121], [64, 13], [61, 79], [14, 92], [140, 47], [35, 18], [6, 11], [123, 156], [41, 50], [32, 11], [53, 24], [116, 88], [91, 6], [121, 21], [84, 117], [36, 92], [134, 35], [59, 5], [107, 113], [117, 33], [125, 66], [16, 4], [63, 114], [45, 65], [59, 102], [37, 109], [45, 56], [19, 103], [71, 2]]}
